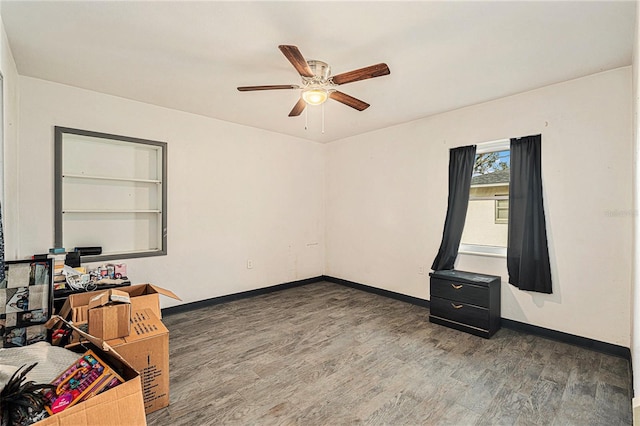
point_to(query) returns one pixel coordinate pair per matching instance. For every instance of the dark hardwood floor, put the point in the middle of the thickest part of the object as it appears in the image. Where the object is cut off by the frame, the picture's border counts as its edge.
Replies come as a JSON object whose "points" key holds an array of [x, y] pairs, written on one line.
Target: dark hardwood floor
{"points": [[325, 354]]}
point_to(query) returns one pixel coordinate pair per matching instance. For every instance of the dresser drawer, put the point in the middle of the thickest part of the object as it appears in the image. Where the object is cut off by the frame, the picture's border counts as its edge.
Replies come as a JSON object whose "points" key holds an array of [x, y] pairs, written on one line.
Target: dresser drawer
{"points": [[460, 292], [460, 312]]}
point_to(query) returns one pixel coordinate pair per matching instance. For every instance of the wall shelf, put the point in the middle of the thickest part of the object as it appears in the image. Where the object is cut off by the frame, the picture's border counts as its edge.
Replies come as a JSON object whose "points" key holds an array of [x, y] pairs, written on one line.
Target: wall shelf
{"points": [[111, 211], [110, 191], [123, 179]]}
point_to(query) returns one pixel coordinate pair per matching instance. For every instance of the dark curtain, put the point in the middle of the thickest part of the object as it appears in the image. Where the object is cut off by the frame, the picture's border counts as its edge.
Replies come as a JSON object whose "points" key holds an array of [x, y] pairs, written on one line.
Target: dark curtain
{"points": [[461, 161], [527, 250]]}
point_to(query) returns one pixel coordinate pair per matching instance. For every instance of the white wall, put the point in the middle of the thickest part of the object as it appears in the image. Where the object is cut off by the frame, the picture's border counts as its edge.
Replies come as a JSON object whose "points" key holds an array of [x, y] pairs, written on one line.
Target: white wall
{"points": [[635, 306], [234, 193], [9, 151], [387, 198]]}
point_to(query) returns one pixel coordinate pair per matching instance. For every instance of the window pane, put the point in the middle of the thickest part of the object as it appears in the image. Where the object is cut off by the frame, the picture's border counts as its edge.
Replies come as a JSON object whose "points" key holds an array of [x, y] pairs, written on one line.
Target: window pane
{"points": [[480, 227], [491, 163], [488, 212]]}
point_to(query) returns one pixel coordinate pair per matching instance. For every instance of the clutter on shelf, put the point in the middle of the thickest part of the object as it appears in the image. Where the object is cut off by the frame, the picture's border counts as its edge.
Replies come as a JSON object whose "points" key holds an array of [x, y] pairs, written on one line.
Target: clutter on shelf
{"points": [[69, 274], [80, 278]]}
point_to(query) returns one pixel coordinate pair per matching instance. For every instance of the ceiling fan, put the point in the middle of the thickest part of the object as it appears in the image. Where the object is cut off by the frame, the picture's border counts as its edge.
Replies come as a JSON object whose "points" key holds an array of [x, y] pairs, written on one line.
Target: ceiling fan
{"points": [[318, 84]]}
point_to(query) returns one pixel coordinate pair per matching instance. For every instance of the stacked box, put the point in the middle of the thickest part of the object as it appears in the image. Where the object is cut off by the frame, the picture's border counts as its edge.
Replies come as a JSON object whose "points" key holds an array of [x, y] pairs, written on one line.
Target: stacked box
{"points": [[146, 347], [109, 315]]}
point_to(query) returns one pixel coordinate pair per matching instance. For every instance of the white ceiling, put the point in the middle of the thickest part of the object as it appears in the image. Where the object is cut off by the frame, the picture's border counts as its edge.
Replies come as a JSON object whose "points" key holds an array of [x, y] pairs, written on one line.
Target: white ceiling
{"points": [[191, 56]]}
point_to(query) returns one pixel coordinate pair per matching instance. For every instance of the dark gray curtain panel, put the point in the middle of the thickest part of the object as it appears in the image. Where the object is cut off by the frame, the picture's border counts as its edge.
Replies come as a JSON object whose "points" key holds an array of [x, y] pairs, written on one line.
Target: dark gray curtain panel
{"points": [[527, 249], [461, 161]]}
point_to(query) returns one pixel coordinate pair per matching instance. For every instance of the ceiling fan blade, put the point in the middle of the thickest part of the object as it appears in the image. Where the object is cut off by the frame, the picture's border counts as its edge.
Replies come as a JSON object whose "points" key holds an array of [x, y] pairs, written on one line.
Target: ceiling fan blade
{"points": [[297, 60], [372, 71], [272, 87], [349, 100], [298, 108]]}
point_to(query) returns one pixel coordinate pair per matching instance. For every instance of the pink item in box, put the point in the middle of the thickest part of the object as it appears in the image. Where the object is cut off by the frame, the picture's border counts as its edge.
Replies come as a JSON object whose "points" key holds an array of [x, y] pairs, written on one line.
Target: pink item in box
{"points": [[120, 270]]}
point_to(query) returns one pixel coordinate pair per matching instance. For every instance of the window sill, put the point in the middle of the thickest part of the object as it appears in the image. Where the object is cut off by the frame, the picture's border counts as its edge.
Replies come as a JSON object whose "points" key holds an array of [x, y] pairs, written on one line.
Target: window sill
{"points": [[478, 250]]}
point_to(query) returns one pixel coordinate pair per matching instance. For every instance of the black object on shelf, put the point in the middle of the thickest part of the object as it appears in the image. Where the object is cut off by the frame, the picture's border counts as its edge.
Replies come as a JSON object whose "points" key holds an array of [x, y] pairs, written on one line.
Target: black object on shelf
{"points": [[72, 259], [40, 257], [88, 251], [466, 301]]}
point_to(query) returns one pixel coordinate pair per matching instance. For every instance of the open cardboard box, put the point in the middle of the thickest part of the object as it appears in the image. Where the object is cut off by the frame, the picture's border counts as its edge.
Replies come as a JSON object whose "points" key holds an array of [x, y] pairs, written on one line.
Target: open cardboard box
{"points": [[143, 296], [147, 296], [122, 405], [146, 349]]}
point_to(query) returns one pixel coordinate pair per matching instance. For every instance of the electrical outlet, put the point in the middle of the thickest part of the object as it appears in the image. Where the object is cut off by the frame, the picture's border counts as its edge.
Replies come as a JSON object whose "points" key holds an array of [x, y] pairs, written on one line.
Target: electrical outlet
{"points": [[249, 264], [421, 270]]}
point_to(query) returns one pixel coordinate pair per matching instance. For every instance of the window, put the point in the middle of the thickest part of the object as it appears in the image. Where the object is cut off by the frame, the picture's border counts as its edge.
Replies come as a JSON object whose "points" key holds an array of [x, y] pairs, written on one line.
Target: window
{"points": [[110, 192], [502, 211], [486, 225]]}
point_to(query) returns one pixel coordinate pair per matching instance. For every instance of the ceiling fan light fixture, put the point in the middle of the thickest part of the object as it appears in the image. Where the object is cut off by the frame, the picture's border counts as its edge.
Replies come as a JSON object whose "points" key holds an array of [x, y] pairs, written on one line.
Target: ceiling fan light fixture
{"points": [[315, 96]]}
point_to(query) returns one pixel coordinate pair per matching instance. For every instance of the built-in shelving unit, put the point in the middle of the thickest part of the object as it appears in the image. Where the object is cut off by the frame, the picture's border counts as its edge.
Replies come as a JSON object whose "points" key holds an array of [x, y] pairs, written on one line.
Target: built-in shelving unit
{"points": [[110, 192]]}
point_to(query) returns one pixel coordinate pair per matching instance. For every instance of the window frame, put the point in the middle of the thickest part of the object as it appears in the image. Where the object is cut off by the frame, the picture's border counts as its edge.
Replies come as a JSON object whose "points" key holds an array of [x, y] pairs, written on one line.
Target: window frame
{"points": [[480, 249], [116, 140]]}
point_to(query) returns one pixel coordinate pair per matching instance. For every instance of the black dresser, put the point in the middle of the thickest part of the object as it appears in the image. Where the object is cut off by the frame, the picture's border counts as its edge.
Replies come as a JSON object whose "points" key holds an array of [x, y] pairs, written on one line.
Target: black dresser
{"points": [[466, 301]]}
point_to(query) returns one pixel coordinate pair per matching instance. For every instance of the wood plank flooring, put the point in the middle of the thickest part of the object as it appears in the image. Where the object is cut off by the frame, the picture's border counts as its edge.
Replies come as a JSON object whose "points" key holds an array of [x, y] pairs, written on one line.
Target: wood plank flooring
{"points": [[325, 354]]}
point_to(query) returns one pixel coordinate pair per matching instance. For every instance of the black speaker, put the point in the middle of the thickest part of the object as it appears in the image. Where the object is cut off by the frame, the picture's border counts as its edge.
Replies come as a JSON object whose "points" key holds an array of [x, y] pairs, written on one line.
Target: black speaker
{"points": [[72, 259], [89, 251]]}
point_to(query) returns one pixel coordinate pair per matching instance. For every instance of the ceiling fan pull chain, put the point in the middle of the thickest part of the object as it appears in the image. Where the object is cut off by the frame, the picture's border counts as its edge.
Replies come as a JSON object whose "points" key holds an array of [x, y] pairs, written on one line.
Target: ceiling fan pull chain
{"points": [[323, 118], [306, 120]]}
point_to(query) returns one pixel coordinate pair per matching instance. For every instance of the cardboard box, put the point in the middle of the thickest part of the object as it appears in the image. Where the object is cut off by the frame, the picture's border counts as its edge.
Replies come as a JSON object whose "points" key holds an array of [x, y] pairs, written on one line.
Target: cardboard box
{"points": [[143, 296], [146, 349], [87, 377], [122, 405], [110, 322], [109, 314], [107, 297], [147, 296]]}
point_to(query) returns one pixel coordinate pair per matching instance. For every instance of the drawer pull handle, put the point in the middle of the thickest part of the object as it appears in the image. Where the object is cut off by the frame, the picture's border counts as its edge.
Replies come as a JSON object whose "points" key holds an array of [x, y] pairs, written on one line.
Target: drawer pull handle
{"points": [[456, 306], [457, 287]]}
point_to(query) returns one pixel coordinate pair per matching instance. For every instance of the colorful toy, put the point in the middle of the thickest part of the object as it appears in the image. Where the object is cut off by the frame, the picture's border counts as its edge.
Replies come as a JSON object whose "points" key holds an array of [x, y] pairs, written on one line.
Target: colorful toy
{"points": [[88, 376]]}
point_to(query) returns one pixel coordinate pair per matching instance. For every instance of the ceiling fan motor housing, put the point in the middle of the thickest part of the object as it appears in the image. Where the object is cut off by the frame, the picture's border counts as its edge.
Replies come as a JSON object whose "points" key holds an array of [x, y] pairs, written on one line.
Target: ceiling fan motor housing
{"points": [[321, 71]]}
